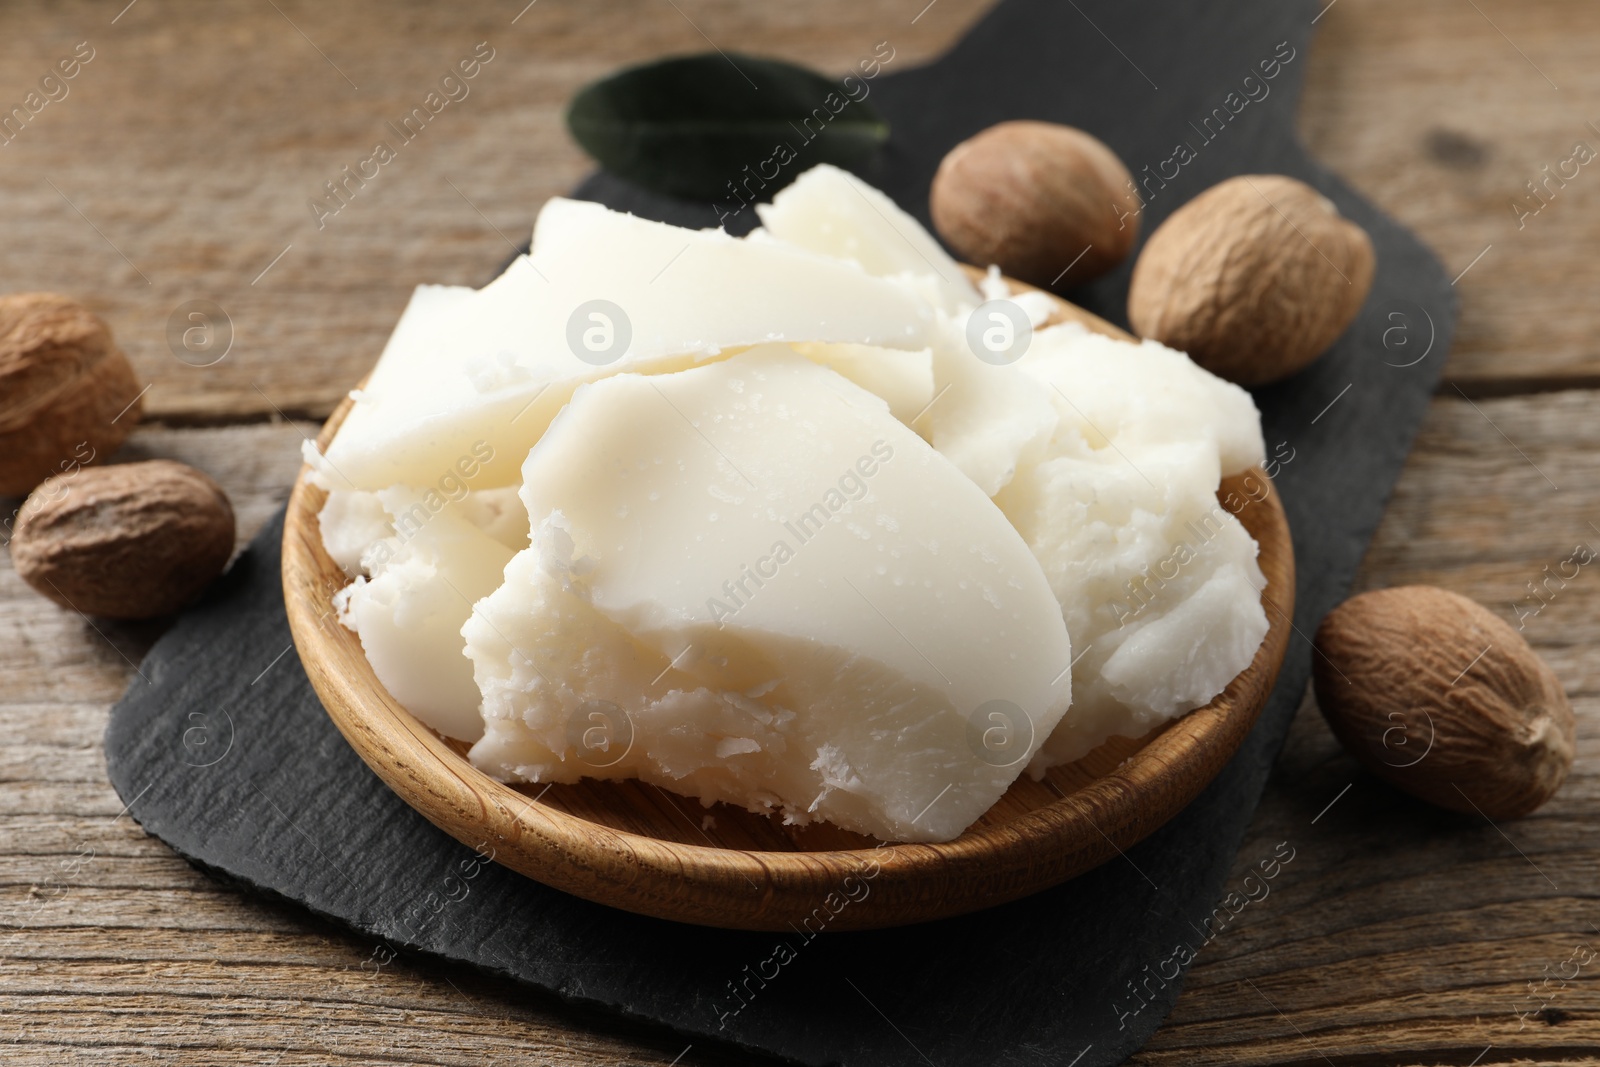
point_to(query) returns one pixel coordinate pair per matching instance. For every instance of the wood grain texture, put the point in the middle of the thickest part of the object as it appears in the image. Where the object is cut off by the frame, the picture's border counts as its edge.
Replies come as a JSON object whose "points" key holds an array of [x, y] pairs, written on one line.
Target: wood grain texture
{"points": [[1394, 927], [1442, 113], [1401, 933], [193, 146], [636, 848], [1396, 936], [182, 161]]}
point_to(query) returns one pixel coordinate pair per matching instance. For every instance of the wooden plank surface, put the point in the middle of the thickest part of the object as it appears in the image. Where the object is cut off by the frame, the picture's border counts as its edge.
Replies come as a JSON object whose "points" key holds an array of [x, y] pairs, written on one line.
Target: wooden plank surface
{"points": [[1443, 111], [1400, 933], [192, 147], [190, 144]]}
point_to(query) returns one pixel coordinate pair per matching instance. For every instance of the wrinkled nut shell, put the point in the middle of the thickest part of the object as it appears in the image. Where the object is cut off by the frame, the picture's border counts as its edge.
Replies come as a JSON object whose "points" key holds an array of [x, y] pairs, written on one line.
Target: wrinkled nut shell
{"points": [[1254, 278], [129, 541], [1495, 738], [62, 382], [1030, 197]]}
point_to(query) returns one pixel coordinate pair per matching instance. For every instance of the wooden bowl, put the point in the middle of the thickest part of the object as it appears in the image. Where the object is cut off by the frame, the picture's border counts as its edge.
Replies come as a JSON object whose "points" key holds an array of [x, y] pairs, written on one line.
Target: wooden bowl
{"points": [[637, 847]]}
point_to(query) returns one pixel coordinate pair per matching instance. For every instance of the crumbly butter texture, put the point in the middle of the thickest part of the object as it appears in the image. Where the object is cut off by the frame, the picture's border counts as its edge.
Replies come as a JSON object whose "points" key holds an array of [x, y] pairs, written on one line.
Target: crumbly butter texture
{"points": [[794, 547]]}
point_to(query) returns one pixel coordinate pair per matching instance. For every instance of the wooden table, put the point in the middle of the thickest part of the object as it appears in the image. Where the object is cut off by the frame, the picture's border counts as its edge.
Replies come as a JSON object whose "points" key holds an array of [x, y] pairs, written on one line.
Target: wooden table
{"points": [[180, 166]]}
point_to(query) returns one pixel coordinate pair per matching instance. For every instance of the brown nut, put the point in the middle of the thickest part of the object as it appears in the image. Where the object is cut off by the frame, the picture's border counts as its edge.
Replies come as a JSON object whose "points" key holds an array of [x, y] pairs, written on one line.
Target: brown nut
{"points": [[1032, 198], [1254, 278], [1436, 695], [65, 389], [128, 541]]}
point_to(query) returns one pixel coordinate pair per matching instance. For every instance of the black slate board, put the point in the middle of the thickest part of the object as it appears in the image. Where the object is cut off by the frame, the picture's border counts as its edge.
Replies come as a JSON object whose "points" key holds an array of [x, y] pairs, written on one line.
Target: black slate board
{"points": [[247, 777]]}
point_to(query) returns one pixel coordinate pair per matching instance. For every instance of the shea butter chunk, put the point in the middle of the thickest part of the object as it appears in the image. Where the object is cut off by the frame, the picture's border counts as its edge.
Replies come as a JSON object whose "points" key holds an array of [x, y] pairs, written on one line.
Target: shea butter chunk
{"points": [[409, 615], [602, 292], [988, 418], [806, 607], [832, 212], [1157, 580]]}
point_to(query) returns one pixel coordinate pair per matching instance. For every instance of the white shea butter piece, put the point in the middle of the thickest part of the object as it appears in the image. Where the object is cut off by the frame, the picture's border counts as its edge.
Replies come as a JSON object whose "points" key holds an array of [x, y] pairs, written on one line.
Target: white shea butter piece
{"points": [[1144, 393], [832, 212], [989, 419], [499, 513], [758, 586], [485, 371], [1036, 304], [362, 534], [1158, 583], [352, 521], [409, 614], [904, 380]]}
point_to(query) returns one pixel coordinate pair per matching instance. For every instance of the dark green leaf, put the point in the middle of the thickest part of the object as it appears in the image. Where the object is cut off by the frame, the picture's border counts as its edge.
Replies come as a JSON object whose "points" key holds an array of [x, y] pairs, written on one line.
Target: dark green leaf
{"points": [[691, 126]]}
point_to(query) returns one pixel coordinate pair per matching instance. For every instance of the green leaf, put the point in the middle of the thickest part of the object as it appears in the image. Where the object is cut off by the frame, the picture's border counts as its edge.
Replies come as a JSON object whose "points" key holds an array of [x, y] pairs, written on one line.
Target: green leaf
{"points": [[690, 126]]}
